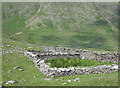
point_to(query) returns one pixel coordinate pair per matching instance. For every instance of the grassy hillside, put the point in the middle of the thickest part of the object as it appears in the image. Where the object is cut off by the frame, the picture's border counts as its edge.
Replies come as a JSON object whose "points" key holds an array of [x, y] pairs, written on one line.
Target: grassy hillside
{"points": [[90, 26], [26, 77], [81, 25]]}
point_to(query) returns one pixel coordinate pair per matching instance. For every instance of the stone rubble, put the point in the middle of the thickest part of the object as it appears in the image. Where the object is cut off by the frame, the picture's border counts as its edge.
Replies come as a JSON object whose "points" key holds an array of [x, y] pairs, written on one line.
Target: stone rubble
{"points": [[40, 57], [11, 49], [66, 52]]}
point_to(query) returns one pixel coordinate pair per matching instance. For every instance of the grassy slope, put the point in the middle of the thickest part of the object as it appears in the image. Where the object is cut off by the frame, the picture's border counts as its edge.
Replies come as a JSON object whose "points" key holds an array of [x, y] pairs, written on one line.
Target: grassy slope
{"points": [[79, 28], [79, 34]]}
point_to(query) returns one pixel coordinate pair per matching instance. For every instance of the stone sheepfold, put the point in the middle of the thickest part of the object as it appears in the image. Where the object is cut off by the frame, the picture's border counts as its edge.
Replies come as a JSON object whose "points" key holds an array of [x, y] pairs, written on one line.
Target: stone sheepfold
{"points": [[39, 58]]}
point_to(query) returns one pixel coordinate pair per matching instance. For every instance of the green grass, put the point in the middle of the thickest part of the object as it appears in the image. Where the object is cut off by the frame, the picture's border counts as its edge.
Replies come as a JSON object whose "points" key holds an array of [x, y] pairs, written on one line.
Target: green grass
{"points": [[12, 60], [75, 32], [74, 62]]}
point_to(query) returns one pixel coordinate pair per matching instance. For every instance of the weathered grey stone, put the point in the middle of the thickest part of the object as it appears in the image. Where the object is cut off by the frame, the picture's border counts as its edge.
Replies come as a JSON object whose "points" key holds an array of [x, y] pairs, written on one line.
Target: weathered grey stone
{"points": [[115, 67], [70, 81], [11, 82], [64, 83], [39, 58]]}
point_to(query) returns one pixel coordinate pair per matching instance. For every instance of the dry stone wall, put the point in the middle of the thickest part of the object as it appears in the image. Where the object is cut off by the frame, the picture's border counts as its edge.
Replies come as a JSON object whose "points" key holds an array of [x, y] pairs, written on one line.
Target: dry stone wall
{"points": [[61, 52], [39, 58]]}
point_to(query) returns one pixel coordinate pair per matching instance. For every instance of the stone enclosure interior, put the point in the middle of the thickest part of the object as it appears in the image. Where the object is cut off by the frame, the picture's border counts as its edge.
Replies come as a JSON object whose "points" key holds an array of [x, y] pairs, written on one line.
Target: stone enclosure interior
{"points": [[39, 58]]}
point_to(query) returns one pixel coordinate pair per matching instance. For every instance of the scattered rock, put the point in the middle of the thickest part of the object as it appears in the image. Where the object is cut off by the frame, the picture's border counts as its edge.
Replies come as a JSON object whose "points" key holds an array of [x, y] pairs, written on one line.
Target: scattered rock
{"points": [[64, 83], [11, 82], [47, 79]]}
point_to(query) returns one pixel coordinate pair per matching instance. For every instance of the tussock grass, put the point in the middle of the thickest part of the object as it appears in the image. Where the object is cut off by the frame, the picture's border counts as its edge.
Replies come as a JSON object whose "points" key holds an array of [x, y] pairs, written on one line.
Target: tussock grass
{"points": [[73, 62]]}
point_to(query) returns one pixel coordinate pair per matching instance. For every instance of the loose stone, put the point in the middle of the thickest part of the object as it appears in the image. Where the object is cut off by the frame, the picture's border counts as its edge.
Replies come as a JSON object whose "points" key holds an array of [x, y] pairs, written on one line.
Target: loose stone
{"points": [[69, 81], [64, 83], [11, 82]]}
